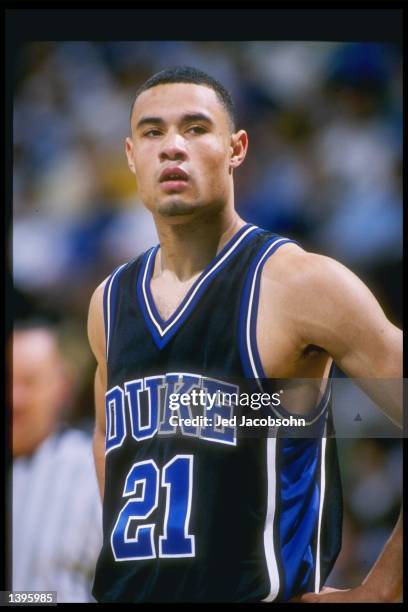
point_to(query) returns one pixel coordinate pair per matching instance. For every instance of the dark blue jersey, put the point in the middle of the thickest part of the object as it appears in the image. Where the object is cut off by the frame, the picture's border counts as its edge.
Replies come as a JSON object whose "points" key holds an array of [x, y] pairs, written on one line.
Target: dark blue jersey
{"points": [[193, 511]]}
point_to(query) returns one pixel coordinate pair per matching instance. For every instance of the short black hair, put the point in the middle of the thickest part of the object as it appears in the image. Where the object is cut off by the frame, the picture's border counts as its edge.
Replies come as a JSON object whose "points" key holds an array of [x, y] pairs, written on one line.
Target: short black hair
{"points": [[187, 74], [38, 323]]}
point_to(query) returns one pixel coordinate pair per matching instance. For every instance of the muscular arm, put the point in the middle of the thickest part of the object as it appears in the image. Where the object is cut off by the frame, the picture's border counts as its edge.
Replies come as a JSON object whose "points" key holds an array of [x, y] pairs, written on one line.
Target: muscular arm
{"points": [[336, 311], [96, 335], [345, 319]]}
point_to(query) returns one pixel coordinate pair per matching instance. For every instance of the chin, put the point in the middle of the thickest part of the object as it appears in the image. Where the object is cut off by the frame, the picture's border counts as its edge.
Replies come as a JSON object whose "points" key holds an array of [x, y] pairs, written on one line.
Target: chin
{"points": [[176, 208]]}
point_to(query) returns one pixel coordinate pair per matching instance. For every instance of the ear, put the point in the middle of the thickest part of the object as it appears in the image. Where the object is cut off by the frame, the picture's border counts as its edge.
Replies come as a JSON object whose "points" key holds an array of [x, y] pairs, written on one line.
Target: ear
{"points": [[239, 147], [129, 154]]}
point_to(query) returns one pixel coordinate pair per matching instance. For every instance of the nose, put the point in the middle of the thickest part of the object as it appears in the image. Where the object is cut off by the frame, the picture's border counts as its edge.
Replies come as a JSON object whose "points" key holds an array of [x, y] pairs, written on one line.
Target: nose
{"points": [[173, 148]]}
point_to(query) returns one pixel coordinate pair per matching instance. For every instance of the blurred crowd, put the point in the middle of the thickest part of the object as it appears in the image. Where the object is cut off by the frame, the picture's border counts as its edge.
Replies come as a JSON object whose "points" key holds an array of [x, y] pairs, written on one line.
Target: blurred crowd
{"points": [[324, 167]]}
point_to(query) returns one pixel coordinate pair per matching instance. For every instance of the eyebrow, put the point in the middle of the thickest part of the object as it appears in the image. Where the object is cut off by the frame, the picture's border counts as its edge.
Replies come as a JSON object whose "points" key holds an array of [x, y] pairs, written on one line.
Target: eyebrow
{"points": [[184, 119]]}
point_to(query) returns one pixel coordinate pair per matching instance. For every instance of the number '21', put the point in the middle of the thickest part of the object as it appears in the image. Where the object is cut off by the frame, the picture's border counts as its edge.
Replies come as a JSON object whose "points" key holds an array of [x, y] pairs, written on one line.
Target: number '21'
{"points": [[175, 541]]}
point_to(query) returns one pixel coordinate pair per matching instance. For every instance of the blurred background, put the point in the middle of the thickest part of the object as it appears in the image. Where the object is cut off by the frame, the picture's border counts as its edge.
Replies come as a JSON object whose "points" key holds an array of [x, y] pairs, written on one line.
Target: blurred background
{"points": [[324, 167]]}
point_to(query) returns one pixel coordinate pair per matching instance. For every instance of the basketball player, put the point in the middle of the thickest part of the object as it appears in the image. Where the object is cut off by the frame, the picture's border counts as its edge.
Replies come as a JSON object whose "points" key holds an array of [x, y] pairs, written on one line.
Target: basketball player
{"points": [[195, 513]]}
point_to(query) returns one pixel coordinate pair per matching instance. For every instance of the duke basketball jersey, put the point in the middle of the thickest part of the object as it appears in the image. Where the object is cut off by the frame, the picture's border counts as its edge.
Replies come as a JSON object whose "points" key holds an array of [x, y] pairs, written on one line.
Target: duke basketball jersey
{"points": [[195, 513]]}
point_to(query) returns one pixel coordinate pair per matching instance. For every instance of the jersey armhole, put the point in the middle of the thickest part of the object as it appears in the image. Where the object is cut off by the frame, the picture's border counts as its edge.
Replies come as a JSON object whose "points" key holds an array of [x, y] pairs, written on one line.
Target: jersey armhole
{"points": [[248, 312], [248, 315]]}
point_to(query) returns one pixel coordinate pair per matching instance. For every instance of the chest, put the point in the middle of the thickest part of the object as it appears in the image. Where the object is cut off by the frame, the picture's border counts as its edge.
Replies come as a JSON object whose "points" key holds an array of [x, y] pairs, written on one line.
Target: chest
{"points": [[168, 294]]}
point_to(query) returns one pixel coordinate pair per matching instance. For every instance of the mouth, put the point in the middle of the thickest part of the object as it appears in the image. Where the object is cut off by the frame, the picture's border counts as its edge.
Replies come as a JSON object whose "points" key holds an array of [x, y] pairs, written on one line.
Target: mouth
{"points": [[173, 179]]}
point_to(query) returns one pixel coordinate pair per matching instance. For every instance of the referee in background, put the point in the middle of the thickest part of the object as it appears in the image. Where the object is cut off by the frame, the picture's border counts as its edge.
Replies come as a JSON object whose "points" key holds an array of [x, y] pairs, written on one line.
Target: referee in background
{"points": [[56, 512]]}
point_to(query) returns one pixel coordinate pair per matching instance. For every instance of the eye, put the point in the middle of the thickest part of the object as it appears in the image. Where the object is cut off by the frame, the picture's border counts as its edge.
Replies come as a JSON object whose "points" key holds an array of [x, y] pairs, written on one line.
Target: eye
{"points": [[196, 129], [152, 133]]}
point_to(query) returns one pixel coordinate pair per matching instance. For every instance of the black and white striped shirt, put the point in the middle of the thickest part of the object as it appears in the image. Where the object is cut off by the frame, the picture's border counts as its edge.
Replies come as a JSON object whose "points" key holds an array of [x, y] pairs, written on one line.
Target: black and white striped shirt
{"points": [[57, 518]]}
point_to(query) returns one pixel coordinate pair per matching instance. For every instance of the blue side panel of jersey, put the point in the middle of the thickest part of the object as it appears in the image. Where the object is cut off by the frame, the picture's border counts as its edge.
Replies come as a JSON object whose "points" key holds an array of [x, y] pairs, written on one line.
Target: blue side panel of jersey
{"points": [[299, 510]]}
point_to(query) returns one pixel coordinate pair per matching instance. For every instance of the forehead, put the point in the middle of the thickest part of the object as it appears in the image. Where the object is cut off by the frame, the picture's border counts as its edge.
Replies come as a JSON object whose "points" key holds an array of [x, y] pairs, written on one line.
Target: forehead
{"points": [[32, 348], [172, 100]]}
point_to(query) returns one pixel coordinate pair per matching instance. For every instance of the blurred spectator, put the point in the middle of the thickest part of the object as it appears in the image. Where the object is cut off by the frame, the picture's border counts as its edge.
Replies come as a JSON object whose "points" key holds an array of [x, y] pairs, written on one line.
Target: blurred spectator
{"points": [[56, 512]]}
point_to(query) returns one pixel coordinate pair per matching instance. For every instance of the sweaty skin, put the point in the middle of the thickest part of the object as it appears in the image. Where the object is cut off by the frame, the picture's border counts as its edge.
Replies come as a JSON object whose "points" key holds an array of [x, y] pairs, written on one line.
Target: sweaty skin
{"points": [[312, 309]]}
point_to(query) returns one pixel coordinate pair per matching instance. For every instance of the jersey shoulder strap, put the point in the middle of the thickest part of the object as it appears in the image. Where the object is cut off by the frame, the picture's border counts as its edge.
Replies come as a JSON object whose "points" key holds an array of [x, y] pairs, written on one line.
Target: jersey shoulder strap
{"points": [[110, 297]]}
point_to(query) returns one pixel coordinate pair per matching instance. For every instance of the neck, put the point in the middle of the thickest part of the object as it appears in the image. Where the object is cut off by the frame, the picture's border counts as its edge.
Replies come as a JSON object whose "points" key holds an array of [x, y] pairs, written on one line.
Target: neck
{"points": [[186, 249]]}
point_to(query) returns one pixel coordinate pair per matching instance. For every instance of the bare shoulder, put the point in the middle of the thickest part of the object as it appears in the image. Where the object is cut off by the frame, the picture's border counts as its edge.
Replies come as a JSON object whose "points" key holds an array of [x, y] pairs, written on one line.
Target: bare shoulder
{"points": [[302, 275], [96, 329], [302, 269], [323, 301]]}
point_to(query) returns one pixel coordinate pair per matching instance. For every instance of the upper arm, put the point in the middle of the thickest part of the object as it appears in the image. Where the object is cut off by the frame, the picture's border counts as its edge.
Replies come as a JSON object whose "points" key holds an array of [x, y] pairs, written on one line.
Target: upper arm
{"points": [[310, 299], [96, 336], [328, 306], [343, 317]]}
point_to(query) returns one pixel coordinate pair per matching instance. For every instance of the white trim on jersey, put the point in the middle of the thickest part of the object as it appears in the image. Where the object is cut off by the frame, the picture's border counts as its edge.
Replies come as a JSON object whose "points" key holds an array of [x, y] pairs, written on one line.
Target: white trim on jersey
{"points": [[269, 545], [157, 325], [321, 503], [108, 301], [326, 401], [269, 522], [250, 304]]}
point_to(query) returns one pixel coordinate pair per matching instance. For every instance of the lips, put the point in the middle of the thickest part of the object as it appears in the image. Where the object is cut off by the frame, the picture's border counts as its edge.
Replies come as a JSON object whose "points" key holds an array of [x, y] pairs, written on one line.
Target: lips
{"points": [[173, 174]]}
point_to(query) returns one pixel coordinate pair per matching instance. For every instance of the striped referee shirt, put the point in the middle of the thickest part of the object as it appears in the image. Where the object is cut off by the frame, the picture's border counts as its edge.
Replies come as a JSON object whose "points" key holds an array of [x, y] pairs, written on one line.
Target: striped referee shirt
{"points": [[57, 518]]}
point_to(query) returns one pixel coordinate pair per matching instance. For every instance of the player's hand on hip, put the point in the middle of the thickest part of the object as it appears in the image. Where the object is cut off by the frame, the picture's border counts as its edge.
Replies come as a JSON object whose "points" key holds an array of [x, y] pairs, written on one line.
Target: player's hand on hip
{"points": [[360, 594]]}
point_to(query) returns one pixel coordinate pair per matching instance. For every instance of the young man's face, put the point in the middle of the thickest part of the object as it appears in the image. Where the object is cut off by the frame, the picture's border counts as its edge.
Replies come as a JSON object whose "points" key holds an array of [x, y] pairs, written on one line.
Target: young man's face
{"points": [[182, 150]]}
